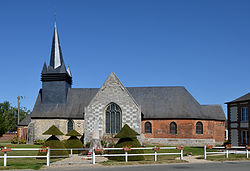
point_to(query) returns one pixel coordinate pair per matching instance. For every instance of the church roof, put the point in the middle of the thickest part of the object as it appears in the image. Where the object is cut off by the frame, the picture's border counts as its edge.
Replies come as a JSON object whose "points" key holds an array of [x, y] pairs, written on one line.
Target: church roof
{"points": [[242, 98], [25, 121], [155, 102]]}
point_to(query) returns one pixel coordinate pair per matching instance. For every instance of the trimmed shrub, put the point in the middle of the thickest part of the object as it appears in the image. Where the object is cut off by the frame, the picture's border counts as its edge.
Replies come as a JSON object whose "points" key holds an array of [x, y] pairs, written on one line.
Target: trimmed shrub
{"points": [[53, 130], [54, 143], [127, 138], [73, 141]]}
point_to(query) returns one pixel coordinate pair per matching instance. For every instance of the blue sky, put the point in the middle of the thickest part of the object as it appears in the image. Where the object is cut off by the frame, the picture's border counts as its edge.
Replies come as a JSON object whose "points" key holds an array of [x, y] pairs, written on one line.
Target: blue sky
{"points": [[202, 45]]}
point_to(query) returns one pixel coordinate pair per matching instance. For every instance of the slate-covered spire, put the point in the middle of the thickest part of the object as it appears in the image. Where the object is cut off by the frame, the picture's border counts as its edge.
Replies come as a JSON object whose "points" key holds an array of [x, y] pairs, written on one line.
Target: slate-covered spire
{"points": [[56, 70], [56, 59]]}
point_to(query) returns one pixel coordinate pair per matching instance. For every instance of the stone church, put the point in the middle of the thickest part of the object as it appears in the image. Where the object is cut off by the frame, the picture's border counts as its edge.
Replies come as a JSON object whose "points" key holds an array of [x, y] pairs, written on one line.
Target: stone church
{"points": [[164, 115]]}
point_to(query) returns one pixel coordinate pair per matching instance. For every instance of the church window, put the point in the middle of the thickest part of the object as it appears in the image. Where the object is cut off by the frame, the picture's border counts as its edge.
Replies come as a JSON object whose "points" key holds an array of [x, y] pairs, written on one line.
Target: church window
{"points": [[70, 125], [148, 127], [113, 118], [173, 128], [199, 128]]}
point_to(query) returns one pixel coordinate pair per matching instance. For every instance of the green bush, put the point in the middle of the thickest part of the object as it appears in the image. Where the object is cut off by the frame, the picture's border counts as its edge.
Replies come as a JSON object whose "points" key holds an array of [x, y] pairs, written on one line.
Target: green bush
{"points": [[54, 143], [22, 141], [39, 142], [128, 137], [14, 140], [74, 142]]}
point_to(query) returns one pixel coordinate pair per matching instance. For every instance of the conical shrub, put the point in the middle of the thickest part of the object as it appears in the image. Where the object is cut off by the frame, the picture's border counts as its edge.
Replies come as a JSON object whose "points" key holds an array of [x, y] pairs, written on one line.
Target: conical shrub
{"points": [[127, 138], [73, 141], [54, 143]]}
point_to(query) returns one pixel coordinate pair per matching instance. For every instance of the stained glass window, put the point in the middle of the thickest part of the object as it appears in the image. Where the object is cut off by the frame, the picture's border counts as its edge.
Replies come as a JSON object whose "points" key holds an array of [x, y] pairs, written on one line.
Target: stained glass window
{"points": [[70, 125], [173, 128], [113, 118], [148, 127], [199, 128]]}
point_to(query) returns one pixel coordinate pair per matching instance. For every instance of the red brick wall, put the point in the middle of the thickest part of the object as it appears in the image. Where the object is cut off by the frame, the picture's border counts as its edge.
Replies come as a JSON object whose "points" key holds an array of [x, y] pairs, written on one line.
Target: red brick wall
{"points": [[186, 129], [7, 136], [22, 132]]}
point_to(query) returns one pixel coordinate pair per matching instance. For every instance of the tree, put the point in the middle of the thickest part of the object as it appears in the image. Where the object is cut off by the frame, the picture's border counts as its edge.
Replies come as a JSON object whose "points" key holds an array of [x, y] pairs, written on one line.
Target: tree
{"points": [[8, 117]]}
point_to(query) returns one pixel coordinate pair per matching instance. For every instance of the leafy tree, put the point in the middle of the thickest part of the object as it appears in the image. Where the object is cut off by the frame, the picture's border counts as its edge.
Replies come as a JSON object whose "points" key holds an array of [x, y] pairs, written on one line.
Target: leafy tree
{"points": [[8, 117]]}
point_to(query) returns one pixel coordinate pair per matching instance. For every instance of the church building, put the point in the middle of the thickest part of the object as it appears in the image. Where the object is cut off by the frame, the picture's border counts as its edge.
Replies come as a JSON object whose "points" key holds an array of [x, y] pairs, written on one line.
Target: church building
{"points": [[161, 115]]}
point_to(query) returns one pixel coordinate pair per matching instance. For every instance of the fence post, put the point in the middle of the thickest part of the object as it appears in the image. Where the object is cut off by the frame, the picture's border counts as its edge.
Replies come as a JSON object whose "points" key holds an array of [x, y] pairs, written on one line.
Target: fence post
{"points": [[226, 153], [5, 158], [247, 153], [126, 156], [48, 156], [181, 154], [71, 155], [205, 152], [155, 155], [93, 155]]}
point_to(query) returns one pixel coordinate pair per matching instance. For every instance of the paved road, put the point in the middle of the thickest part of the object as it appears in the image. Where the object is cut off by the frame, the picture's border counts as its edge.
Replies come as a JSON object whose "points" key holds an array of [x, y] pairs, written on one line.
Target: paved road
{"points": [[226, 166]]}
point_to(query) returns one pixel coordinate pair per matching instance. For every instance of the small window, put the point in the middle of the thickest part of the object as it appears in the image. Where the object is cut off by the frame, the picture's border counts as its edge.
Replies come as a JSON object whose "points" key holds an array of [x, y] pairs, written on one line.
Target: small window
{"points": [[70, 125], [173, 128], [148, 127], [199, 128], [244, 114]]}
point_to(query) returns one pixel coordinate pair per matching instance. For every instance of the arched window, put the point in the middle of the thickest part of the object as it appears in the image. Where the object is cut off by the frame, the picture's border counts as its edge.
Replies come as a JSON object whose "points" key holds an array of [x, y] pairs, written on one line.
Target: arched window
{"points": [[113, 118], [173, 128], [148, 127], [70, 125], [199, 128]]}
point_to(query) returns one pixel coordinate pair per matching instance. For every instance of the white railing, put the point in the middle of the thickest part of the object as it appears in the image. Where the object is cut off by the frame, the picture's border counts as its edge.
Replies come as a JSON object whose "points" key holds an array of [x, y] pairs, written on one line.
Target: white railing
{"points": [[227, 151], [93, 155], [126, 154]]}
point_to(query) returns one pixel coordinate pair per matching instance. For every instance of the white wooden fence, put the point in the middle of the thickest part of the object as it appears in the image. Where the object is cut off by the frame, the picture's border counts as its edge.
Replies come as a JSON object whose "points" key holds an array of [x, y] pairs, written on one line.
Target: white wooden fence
{"points": [[93, 155], [227, 151]]}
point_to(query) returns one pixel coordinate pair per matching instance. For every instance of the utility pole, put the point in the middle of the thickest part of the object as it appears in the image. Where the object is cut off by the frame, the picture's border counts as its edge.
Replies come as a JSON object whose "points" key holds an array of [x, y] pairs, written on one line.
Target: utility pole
{"points": [[18, 109], [18, 117]]}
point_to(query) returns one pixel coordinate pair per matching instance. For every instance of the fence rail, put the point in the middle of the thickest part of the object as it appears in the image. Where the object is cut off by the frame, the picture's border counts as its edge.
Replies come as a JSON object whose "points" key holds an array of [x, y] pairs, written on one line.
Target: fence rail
{"points": [[93, 155], [227, 151]]}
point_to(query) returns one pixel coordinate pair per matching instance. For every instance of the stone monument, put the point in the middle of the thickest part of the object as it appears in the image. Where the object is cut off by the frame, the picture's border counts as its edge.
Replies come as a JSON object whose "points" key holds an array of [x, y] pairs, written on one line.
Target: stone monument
{"points": [[96, 142]]}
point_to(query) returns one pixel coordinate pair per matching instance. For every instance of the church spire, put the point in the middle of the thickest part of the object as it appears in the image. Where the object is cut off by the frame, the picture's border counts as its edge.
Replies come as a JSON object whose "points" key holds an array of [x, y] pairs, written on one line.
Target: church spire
{"points": [[56, 70], [56, 59]]}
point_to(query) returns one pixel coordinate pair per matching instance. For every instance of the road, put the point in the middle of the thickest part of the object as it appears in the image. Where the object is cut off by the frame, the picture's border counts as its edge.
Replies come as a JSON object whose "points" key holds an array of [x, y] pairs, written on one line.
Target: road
{"points": [[226, 166]]}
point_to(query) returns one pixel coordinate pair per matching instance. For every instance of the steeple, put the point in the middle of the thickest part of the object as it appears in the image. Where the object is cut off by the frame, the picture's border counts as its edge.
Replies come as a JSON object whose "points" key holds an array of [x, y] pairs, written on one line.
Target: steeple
{"points": [[56, 58], [56, 71], [56, 79]]}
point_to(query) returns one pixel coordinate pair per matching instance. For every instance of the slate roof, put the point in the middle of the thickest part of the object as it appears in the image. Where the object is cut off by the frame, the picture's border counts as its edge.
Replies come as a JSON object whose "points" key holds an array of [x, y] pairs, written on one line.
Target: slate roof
{"points": [[242, 98], [25, 121], [155, 102]]}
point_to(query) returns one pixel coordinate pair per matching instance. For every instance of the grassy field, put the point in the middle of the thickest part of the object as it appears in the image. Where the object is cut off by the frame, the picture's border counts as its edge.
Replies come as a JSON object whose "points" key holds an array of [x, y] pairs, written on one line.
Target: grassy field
{"points": [[5, 142], [148, 160], [231, 157], [24, 163]]}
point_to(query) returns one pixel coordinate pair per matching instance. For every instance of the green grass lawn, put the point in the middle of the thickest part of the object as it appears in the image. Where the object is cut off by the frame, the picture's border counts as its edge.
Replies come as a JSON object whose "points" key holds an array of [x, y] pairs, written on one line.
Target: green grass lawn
{"points": [[5, 141], [148, 160], [231, 157], [24, 163]]}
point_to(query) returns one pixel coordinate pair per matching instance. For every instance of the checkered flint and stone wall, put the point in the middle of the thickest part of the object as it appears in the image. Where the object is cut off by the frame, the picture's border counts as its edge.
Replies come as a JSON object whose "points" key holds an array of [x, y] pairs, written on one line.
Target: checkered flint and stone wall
{"points": [[111, 91]]}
